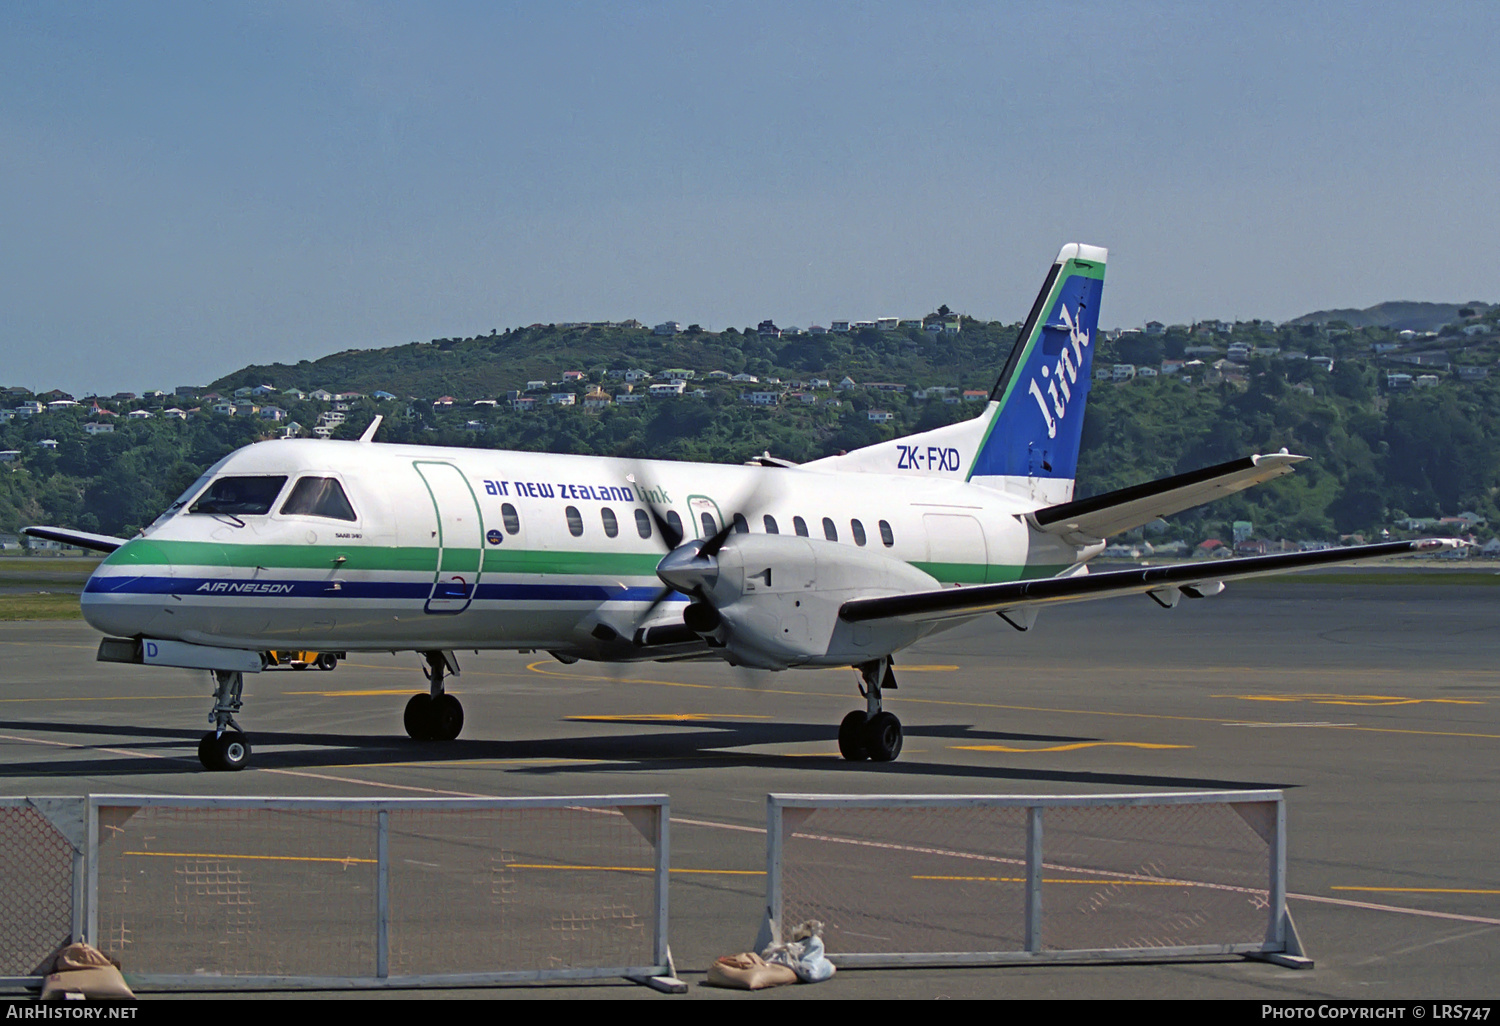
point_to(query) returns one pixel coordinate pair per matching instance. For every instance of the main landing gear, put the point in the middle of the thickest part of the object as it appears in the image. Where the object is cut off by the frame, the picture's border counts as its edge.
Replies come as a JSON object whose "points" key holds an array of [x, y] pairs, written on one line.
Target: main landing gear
{"points": [[225, 747], [871, 733], [437, 715]]}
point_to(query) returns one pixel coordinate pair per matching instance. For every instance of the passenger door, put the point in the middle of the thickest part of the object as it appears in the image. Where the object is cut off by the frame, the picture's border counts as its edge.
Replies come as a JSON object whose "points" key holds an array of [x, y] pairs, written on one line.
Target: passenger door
{"points": [[460, 537]]}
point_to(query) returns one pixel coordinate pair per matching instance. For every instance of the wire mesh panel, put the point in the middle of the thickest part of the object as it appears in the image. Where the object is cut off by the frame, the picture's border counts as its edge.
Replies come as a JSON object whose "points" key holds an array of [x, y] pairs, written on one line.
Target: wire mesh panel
{"points": [[519, 889], [1153, 877], [907, 879], [235, 890], [374, 892], [37, 887], [952, 879]]}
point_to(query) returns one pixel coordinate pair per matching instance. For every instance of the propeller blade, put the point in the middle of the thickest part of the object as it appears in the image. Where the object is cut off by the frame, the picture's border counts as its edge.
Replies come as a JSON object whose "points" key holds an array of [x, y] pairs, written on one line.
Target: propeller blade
{"points": [[711, 547], [670, 536], [661, 596]]}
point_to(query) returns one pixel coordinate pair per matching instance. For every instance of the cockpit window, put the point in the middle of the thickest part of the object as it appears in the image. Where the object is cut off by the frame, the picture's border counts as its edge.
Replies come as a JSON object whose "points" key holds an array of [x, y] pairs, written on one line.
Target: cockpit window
{"points": [[182, 500], [318, 497], [240, 496]]}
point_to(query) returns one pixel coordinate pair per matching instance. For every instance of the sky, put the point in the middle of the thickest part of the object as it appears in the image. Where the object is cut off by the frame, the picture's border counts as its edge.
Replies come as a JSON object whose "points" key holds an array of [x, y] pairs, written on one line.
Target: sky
{"points": [[187, 188]]}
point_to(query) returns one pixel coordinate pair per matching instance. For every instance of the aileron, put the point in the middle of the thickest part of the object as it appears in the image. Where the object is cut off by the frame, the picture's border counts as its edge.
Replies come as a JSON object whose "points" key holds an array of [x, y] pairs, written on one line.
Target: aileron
{"points": [[1101, 516], [1192, 579]]}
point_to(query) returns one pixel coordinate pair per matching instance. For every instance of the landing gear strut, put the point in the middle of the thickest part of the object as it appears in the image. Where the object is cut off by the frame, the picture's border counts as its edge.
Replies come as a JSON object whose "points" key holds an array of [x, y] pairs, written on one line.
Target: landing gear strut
{"points": [[437, 715], [871, 733], [225, 747]]}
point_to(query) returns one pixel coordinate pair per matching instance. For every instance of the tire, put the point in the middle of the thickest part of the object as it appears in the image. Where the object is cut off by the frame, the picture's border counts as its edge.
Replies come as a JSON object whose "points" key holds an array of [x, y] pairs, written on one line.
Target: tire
{"points": [[852, 736], [418, 717], [882, 737], [447, 718], [226, 752], [327, 661]]}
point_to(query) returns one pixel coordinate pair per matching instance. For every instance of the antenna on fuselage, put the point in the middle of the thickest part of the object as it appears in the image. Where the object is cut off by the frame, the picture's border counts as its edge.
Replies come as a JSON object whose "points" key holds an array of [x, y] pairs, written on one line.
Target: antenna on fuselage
{"points": [[369, 435]]}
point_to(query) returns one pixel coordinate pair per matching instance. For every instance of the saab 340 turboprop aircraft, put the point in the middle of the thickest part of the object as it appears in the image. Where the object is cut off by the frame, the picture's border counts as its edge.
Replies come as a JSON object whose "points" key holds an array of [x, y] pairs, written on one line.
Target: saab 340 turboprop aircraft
{"points": [[341, 546]]}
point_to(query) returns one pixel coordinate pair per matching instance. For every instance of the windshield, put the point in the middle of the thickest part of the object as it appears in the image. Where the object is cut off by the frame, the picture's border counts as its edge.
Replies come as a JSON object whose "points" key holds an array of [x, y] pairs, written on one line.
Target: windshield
{"points": [[182, 500], [240, 496], [318, 497]]}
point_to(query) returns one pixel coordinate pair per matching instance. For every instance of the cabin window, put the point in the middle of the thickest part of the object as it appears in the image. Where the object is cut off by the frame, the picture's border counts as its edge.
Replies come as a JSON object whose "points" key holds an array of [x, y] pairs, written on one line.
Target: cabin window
{"points": [[740, 526], [710, 526], [800, 526], [240, 496], [886, 537], [611, 525], [858, 530], [675, 523], [512, 519], [771, 527], [575, 521], [643, 523], [829, 530], [318, 497]]}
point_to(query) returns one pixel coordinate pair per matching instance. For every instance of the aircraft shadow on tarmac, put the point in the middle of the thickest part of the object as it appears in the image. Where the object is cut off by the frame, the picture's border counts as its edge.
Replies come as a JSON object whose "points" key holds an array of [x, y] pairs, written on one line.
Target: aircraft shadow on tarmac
{"points": [[688, 744]]}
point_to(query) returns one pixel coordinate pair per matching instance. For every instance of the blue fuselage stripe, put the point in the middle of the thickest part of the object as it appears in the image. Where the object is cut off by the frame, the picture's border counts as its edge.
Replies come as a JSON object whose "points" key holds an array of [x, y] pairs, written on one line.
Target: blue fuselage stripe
{"points": [[401, 590]]}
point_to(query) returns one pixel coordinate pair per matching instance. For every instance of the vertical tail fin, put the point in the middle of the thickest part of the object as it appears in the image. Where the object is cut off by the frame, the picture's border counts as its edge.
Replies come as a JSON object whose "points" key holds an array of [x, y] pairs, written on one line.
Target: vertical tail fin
{"points": [[1026, 440], [1037, 406]]}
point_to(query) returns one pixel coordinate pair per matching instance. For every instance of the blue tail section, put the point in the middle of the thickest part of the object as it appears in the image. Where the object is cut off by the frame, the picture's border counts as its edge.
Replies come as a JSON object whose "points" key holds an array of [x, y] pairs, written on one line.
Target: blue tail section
{"points": [[1035, 431]]}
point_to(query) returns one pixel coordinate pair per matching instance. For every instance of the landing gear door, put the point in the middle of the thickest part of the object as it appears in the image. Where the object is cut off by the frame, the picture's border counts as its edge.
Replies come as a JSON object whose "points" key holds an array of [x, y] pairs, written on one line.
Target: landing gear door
{"points": [[459, 530]]}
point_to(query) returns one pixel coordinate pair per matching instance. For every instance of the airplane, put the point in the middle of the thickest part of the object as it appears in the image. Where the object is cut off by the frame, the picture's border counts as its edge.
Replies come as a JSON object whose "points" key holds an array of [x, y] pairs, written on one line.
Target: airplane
{"points": [[361, 546]]}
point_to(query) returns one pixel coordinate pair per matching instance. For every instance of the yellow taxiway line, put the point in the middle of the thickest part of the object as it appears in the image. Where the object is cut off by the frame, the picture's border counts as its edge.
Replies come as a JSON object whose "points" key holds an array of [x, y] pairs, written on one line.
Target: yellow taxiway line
{"points": [[350, 860], [1062, 748]]}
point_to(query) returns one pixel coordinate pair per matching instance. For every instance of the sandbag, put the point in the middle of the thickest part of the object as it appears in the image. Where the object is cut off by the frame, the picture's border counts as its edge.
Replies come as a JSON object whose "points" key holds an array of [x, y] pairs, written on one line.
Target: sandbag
{"points": [[748, 971], [82, 970]]}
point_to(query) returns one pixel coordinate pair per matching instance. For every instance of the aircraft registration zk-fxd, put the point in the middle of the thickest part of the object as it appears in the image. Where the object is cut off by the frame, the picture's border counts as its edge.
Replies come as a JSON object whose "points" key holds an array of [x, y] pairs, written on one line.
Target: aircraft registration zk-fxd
{"points": [[363, 546]]}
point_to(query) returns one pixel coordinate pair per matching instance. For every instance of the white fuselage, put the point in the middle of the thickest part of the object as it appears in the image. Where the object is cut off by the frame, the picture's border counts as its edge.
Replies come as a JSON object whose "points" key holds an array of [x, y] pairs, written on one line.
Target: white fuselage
{"points": [[471, 548]]}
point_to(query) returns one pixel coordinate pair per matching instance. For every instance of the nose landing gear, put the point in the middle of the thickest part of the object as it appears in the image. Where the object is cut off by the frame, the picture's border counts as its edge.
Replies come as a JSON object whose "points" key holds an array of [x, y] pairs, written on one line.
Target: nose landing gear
{"points": [[225, 747]]}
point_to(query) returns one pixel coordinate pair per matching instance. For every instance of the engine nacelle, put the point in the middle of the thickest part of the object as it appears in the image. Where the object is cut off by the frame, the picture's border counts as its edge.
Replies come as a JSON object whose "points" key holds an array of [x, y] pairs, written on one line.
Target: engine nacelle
{"points": [[778, 598]]}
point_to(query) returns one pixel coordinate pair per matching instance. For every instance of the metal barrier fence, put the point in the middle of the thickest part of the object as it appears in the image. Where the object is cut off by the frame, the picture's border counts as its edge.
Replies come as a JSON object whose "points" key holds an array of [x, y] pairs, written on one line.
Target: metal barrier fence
{"points": [[945, 880], [338, 893], [321, 892], [42, 843]]}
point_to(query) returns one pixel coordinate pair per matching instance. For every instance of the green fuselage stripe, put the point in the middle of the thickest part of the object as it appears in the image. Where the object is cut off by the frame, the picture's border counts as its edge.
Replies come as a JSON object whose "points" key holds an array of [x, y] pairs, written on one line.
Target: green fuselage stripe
{"points": [[144, 553]]}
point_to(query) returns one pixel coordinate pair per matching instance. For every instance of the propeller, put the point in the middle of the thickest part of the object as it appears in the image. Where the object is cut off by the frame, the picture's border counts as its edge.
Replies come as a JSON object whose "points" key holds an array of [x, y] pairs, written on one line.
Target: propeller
{"points": [[689, 567]]}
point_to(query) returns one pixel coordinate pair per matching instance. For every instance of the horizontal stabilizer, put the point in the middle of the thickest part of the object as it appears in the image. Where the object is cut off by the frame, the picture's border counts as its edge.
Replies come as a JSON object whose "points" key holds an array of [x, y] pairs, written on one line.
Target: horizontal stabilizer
{"points": [[1101, 516], [1196, 579], [77, 539]]}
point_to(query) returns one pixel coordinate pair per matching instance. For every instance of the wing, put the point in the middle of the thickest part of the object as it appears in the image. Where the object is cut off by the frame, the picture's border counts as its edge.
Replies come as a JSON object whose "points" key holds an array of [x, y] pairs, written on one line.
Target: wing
{"points": [[1100, 516], [77, 539], [1165, 584]]}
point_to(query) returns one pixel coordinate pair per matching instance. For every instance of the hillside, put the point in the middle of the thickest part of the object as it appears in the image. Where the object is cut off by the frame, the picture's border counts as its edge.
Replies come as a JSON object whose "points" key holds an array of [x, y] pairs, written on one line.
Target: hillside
{"points": [[1399, 428], [1397, 316], [490, 365]]}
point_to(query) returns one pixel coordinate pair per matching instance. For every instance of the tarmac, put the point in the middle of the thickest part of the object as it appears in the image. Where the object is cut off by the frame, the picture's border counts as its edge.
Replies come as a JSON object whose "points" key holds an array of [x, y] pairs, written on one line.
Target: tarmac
{"points": [[1375, 707]]}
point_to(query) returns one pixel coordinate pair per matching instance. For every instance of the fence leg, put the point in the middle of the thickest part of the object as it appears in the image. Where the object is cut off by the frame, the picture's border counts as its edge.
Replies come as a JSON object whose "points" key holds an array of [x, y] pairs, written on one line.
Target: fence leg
{"points": [[1034, 878]]}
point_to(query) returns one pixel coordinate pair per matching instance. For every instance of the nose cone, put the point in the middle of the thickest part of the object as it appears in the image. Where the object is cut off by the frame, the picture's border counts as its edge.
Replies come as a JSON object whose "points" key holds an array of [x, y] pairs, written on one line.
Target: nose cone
{"points": [[123, 596], [687, 571]]}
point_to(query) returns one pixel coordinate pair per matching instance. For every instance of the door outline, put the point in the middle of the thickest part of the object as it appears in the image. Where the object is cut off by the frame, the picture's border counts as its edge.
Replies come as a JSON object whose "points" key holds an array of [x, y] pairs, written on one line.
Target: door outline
{"points": [[443, 594], [698, 504]]}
